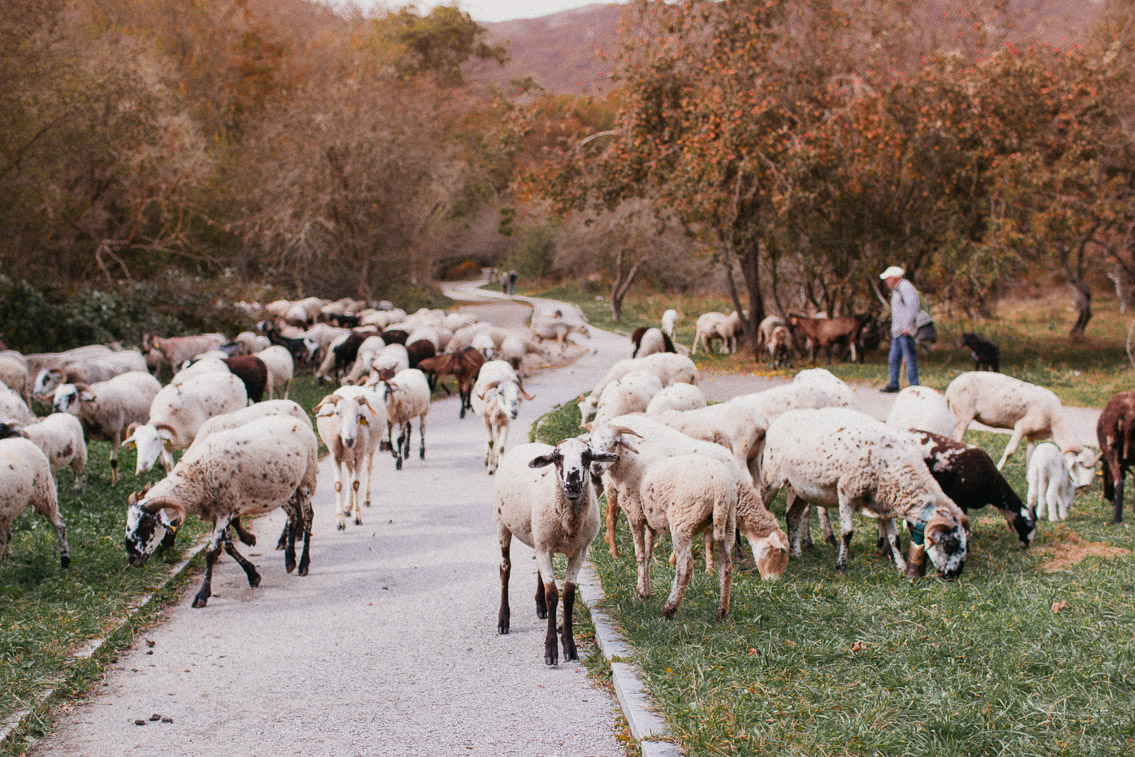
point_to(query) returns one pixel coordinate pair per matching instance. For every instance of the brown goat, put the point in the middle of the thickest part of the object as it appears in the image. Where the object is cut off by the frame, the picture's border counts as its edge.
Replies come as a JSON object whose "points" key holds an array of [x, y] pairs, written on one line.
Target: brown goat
{"points": [[463, 366], [1115, 431], [828, 332]]}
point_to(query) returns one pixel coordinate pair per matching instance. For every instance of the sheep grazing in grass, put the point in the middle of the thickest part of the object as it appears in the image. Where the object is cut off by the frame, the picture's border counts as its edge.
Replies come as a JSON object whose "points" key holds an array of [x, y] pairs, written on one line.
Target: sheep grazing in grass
{"points": [[60, 437], [1054, 477], [712, 326], [835, 457], [542, 497], [1033, 412], [923, 409], [669, 322], [25, 479], [351, 423], [250, 470]]}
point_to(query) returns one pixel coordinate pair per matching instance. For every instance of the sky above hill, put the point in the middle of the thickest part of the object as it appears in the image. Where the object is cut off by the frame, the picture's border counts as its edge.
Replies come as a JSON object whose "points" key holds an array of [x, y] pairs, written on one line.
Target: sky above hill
{"points": [[488, 11]]}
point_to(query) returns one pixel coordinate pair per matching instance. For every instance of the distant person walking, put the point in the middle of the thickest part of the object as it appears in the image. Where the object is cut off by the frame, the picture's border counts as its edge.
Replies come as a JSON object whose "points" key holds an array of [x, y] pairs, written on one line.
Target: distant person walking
{"points": [[904, 310], [504, 283], [512, 282]]}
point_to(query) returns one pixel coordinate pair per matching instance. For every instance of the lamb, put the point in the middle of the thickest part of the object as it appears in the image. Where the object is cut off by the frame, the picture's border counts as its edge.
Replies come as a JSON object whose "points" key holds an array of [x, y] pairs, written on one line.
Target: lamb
{"points": [[836, 457], [923, 409], [713, 325], [25, 479], [14, 375], [780, 347], [60, 437], [1115, 430], [765, 329], [630, 394], [649, 341], [551, 510], [496, 398], [351, 421], [407, 396], [251, 470], [676, 397], [668, 367], [968, 476], [1054, 477], [986, 355], [88, 370], [1033, 412], [281, 369], [107, 409], [178, 411], [669, 322]]}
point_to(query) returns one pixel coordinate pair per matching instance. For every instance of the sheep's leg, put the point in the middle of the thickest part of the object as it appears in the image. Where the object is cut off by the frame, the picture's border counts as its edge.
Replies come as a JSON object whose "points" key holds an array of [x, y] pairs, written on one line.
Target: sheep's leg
{"points": [[1117, 501], [806, 528], [307, 514], [211, 555], [826, 527], [567, 635], [295, 520], [405, 436], [505, 574], [891, 533], [642, 558], [287, 387], [114, 459], [370, 472], [551, 599], [5, 537], [961, 423], [707, 542], [355, 470], [421, 438], [541, 602], [726, 573], [249, 568], [50, 510], [1052, 498], [167, 460], [846, 531], [794, 508], [79, 471], [245, 536], [340, 521], [684, 566], [612, 517], [1014, 440]]}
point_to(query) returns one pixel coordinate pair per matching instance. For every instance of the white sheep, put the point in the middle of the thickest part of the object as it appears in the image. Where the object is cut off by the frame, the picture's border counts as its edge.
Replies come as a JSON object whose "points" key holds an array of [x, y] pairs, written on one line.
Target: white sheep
{"points": [[669, 367], [391, 360], [743, 434], [368, 352], [108, 408], [407, 396], [836, 457], [765, 330], [88, 370], [198, 366], [250, 343], [1054, 477], [25, 479], [238, 418], [13, 408], [36, 362], [178, 410], [281, 369], [351, 422], [551, 509], [669, 322], [496, 398], [923, 409], [14, 375], [629, 394], [1001, 401], [60, 437], [250, 470], [676, 397], [714, 325], [827, 382], [556, 329]]}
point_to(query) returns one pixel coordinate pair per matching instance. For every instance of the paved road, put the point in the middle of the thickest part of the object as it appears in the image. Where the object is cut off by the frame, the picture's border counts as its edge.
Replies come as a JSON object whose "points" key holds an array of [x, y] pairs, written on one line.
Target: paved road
{"points": [[388, 647]]}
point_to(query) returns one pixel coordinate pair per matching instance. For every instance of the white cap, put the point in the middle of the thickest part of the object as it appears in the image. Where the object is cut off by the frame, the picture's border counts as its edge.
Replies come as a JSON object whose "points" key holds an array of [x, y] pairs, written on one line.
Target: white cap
{"points": [[891, 272]]}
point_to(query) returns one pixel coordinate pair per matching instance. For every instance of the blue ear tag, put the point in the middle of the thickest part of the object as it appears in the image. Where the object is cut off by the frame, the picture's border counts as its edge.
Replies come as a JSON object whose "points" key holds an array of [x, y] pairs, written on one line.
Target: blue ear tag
{"points": [[918, 530]]}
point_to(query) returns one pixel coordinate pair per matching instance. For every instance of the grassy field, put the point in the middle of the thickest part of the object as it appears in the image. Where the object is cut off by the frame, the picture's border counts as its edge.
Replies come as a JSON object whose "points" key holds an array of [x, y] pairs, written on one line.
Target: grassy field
{"points": [[1032, 336], [1016, 657]]}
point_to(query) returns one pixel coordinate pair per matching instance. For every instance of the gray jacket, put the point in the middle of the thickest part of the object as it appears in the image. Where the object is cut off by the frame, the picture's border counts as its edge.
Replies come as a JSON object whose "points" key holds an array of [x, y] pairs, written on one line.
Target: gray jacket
{"points": [[904, 308]]}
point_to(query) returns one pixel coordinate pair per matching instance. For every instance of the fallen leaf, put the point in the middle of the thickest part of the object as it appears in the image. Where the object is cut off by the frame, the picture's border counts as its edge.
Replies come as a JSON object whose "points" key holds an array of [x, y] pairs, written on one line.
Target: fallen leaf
{"points": [[858, 646], [752, 652], [1058, 606]]}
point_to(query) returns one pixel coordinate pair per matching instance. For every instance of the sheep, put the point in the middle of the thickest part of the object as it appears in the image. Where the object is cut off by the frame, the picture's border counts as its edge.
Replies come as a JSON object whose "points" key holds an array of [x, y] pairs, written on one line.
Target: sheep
{"points": [[418, 351], [496, 398], [341, 353], [1033, 412], [281, 370], [630, 394], [36, 362], [1054, 477], [780, 347], [986, 355], [641, 441], [391, 360], [88, 370], [713, 325], [824, 380], [829, 332], [253, 373], [483, 343], [108, 408], [765, 329], [13, 408], [551, 510], [648, 341], [250, 470], [514, 349], [368, 351], [177, 349], [741, 433], [351, 421], [920, 408], [1115, 431], [302, 349], [968, 476], [178, 411], [676, 397], [25, 479], [407, 396], [238, 418], [837, 457], [60, 436], [546, 328], [670, 369], [250, 343], [14, 375]]}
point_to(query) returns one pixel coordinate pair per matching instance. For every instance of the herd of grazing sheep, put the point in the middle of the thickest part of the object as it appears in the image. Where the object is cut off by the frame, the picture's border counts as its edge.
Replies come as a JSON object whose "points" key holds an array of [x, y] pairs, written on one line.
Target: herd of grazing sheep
{"points": [[653, 445]]}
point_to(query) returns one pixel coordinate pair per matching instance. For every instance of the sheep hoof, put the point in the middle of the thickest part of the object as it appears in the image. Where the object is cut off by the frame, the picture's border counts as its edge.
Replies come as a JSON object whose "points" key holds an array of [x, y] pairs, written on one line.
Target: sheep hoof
{"points": [[669, 612], [502, 630], [200, 601], [64, 561], [254, 580], [341, 526], [551, 659], [289, 566], [366, 503], [358, 521]]}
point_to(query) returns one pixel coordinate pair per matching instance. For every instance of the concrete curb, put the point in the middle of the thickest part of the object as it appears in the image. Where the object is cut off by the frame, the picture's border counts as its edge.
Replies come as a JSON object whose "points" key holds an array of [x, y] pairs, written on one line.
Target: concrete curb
{"points": [[646, 726], [92, 646]]}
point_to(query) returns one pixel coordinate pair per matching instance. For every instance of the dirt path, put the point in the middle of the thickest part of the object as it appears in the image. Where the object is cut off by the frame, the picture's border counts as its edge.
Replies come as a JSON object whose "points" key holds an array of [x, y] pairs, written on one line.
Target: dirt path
{"points": [[388, 647]]}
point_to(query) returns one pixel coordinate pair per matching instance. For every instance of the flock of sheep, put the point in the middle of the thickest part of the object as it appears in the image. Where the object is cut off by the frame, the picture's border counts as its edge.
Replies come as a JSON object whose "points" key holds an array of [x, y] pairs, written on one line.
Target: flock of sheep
{"points": [[655, 448]]}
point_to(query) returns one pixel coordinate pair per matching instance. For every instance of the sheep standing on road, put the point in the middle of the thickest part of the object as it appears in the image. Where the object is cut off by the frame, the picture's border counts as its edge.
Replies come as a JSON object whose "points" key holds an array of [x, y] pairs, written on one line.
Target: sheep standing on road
{"points": [[25, 479], [1054, 477], [496, 398], [551, 509], [407, 396], [351, 422], [251, 470]]}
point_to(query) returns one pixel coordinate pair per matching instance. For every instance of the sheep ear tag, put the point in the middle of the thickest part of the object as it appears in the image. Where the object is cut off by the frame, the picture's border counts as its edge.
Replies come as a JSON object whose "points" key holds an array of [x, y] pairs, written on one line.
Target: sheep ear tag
{"points": [[918, 530]]}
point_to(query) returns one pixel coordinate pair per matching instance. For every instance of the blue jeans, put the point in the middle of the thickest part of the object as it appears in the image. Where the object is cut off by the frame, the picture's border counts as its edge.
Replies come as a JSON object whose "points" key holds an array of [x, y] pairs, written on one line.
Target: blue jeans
{"points": [[902, 348]]}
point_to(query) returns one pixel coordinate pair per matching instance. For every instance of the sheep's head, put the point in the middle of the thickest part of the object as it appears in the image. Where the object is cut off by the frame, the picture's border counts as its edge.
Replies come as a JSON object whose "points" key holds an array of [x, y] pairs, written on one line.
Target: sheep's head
{"points": [[572, 458], [148, 522], [150, 440], [770, 553], [11, 430], [48, 379], [70, 397], [607, 438], [944, 539], [1081, 465], [1023, 524]]}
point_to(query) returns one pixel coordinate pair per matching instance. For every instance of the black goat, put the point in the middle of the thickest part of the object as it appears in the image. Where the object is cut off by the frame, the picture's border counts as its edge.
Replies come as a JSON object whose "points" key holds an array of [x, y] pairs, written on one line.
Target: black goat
{"points": [[986, 355]]}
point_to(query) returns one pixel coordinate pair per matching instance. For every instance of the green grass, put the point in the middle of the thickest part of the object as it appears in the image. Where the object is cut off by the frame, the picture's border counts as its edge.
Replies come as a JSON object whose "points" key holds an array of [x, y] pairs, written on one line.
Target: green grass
{"points": [[981, 665], [1032, 337]]}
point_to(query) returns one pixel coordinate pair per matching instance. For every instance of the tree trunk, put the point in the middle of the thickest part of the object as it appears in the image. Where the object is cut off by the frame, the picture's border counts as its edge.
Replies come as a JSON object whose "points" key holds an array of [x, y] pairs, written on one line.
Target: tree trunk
{"points": [[622, 284], [750, 263], [1083, 309]]}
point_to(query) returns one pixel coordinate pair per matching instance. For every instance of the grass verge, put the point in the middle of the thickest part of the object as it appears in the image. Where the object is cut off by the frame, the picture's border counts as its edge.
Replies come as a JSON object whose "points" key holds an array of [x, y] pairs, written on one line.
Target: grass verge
{"points": [[1009, 659]]}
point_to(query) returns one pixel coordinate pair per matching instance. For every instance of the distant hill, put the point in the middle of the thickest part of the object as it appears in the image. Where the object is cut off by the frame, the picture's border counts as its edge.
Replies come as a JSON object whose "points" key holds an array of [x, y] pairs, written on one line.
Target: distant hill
{"points": [[561, 51]]}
